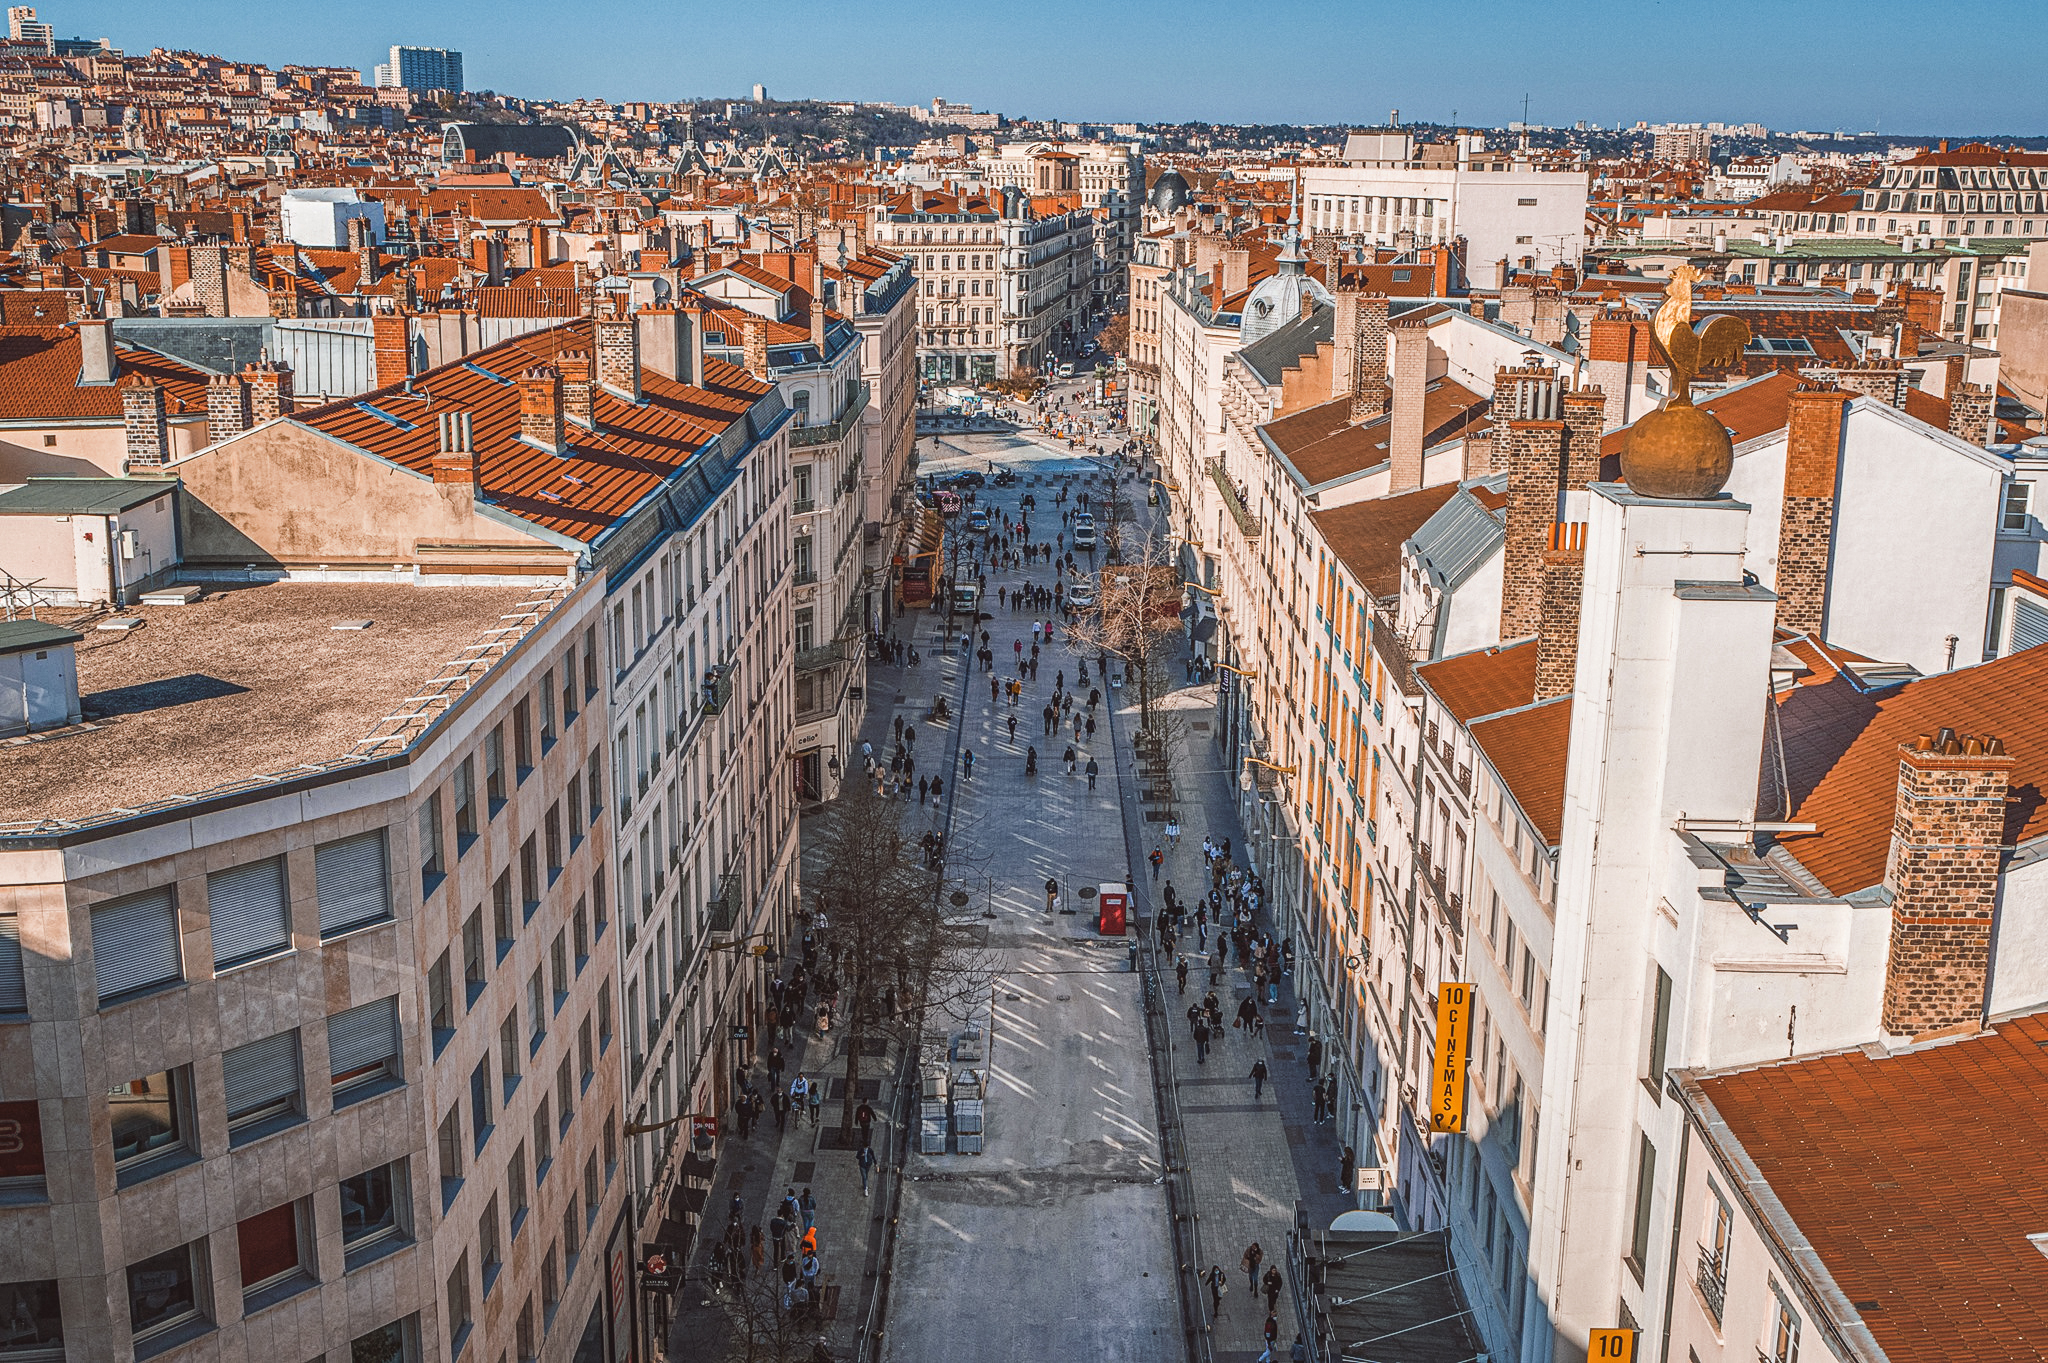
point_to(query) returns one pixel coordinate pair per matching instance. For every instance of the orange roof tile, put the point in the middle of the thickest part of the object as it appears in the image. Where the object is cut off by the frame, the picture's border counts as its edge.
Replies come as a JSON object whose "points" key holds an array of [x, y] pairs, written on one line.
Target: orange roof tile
{"points": [[1322, 444], [1483, 682], [1367, 536], [39, 378], [1527, 749], [1915, 1177]]}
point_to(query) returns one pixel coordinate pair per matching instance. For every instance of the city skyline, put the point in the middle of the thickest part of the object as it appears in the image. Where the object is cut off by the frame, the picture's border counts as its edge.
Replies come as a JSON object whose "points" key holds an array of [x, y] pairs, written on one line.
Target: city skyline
{"points": [[1808, 73]]}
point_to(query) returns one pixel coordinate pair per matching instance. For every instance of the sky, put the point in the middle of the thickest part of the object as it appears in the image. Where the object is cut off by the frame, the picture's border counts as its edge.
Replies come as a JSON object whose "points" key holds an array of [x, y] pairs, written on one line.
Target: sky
{"points": [[1895, 66]]}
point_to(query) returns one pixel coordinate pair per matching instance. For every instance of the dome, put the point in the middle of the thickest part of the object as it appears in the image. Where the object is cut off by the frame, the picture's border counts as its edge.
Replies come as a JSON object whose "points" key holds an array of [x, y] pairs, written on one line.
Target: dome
{"points": [[1170, 193], [1277, 300]]}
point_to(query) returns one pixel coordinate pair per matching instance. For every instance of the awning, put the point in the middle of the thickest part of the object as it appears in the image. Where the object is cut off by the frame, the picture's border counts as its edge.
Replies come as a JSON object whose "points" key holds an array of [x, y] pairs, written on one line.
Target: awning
{"points": [[1190, 564], [1204, 630]]}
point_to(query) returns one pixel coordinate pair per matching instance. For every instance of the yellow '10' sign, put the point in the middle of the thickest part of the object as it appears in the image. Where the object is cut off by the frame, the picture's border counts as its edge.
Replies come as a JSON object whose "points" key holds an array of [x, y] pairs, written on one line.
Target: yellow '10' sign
{"points": [[1453, 1040], [1611, 1346]]}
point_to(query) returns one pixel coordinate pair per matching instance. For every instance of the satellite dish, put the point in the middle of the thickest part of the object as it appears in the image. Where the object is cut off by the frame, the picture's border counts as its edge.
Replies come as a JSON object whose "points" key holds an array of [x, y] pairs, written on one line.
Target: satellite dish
{"points": [[958, 899]]}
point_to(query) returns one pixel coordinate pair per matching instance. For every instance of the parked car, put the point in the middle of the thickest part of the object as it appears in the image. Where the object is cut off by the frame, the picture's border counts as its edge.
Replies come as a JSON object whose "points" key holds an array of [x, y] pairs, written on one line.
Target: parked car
{"points": [[1081, 596], [1084, 532], [977, 521]]}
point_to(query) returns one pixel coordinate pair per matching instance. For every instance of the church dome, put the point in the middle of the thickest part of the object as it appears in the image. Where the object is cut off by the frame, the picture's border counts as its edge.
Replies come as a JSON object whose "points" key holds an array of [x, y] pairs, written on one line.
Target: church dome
{"points": [[1170, 193]]}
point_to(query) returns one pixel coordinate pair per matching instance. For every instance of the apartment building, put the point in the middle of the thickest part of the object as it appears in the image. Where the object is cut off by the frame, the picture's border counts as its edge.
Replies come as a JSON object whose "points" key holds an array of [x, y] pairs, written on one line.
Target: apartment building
{"points": [[878, 291], [1513, 212]]}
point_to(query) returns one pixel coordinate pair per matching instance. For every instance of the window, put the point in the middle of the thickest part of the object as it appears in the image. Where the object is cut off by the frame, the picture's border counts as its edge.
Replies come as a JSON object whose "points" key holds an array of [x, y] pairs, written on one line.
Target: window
{"points": [[586, 1053], [480, 1102], [522, 1339], [572, 1233], [551, 829], [440, 1003], [488, 1250], [547, 710], [580, 925], [1660, 1034], [604, 1016], [515, 1190], [537, 1006], [565, 1093], [397, 1342], [494, 768], [593, 783], [508, 1052], [270, 1248], [362, 1050], [35, 1326], [262, 1086], [459, 1318], [163, 1292], [529, 875], [13, 984], [575, 812], [589, 662], [593, 1188], [1784, 1345], [473, 955], [501, 913], [522, 738], [465, 805], [448, 1146], [350, 883], [151, 1116], [550, 1288], [246, 909], [135, 945], [2019, 499], [21, 1155], [558, 960], [432, 872], [373, 1212], [543, 1140], [1646, 1184]]}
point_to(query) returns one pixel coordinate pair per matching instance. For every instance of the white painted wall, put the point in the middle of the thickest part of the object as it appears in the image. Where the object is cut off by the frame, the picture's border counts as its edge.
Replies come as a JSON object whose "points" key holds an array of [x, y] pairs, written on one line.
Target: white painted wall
{"points": [[2019, 949]]}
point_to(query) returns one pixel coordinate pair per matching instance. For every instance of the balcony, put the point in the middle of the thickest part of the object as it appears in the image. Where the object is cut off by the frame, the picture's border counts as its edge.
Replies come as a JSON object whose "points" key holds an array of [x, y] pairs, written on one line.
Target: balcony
{"points": [[1247, 523], [819, 658], [803, 436], [803, 506], [723, 910], [804, 576], [717, 690], [1713, 1283]]}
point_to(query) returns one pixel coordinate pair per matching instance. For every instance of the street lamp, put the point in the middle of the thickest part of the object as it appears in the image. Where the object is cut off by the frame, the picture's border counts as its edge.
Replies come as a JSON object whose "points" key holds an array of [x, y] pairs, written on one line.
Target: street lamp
{"points": [[1248, 675], [1262, 762]]}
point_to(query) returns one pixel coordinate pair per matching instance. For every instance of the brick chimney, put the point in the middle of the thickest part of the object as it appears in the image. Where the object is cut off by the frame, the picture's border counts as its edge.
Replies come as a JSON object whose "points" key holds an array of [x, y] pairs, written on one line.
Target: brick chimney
{"points": [[540, 409], [1617, 352], [1371, 394], [818, 305], [1535, 464], [1806, 524], [1405, 426], [1237, 269], [1969, 413], [227, 407], [363, 241], [1585, 420], [96, 362], [143, 416], [270, 390], [1948, 824], [754, 345], [1878, 376], [455, 459], [1557, 633], [209, 278], [578, 401], [391, 347], [618, 356]]}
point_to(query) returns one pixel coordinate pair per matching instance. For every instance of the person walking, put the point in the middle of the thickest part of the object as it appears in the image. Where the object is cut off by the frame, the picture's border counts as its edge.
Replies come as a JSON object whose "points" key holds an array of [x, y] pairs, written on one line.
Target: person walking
{"points": [[924, 788], [1253, 1258], [1258, 1079], [938, 789], [775, 1066], [1156, 858], [781, 1109], [1093, 769], [1013, 728], [807, 1206], [1272, 1330], [1180, 972], [1272, 1283], [1201, 1042], [817, 1100], [757, 1248], [1347, 1169], [864, 1118], [1315, 1057], [1218, 1283], [866, 1160], [967, 762], [1316, 1092]]}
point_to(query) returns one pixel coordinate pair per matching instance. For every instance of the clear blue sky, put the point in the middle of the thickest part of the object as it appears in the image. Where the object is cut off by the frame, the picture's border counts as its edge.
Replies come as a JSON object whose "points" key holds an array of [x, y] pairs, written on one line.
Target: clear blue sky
{"points": [[1897, 65]]}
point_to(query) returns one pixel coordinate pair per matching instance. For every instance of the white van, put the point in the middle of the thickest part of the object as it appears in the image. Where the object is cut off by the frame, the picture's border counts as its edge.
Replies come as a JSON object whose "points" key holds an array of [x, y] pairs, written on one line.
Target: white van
{"points": [[1084, 531]]}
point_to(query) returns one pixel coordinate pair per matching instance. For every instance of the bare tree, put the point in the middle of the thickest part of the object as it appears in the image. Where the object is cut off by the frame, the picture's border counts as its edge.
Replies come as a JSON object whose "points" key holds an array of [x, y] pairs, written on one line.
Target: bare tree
{"points": [[897, 951], [1136, 617], [764, 1330]]}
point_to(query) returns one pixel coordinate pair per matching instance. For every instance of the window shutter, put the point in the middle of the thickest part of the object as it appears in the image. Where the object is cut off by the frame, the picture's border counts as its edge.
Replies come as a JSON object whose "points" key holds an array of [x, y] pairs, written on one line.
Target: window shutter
{"points": [[351, 882], [135, 943], [261, 1074], [364, 1037], [2029, 625], [247, 908], [13, 990]]}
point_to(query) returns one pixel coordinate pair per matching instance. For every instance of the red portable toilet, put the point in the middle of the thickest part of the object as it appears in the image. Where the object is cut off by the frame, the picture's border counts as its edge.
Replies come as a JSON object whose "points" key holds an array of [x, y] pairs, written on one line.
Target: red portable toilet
{"points": [[1113, 902]]}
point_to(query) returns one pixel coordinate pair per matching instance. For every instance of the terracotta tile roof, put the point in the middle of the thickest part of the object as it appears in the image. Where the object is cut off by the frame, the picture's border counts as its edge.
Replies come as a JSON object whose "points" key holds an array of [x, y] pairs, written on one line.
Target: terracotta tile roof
{"points": [[607, 471], [1915, 1178], [1322, 444], [39, 378], [494, 204], [1755, 409], [1483, 682], [1367, 536], [1841, 755], [1527, 749]]}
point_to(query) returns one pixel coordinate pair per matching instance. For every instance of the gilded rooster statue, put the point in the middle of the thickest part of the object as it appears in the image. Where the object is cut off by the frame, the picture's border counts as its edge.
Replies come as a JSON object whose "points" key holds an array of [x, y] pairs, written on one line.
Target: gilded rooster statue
{"points": [[1714, 342]]}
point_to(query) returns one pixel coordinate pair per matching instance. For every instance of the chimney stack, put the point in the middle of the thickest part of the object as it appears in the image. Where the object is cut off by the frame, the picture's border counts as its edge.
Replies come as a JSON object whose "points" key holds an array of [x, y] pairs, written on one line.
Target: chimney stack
{"points": [[664, 346], [391, 348], [1948, 827], [143, 415], [1813, 451], [540, 409], [1406, 428], [227, 408], [270, 390], [1369, 389], [818, 306], [96, 363], [455, 460], [754, 346], [618, 356], [1617, 352], [578, 395], [1557, 633], [1585, 419], [1969, 413], [1535, 465]]}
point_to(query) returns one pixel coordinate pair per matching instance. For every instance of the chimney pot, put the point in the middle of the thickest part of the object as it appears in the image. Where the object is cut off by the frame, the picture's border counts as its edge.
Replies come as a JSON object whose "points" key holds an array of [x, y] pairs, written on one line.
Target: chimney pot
{"points": [[540, 409], [143, 416], [455, 460], [618, 356], [578, 392]]}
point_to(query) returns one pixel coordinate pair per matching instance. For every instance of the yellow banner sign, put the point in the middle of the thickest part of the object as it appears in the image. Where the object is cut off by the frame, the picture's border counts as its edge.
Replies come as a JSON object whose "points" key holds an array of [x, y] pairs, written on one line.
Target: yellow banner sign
{"points": [[1453, 1041], [1611, 1346]]}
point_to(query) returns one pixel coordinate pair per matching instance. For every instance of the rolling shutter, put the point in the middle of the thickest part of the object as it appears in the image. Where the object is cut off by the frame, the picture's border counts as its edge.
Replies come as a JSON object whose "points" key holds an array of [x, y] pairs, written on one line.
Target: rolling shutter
{"points": [[261, 1076], [363, 1042], [351, 882], [2029, 625], [135, 943], [13, 990], [247, 909]]}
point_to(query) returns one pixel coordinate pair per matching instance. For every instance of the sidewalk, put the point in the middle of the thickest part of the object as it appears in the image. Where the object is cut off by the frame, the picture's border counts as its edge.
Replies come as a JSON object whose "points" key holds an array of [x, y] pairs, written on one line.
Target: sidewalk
{"points": [[852, 1228]]}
